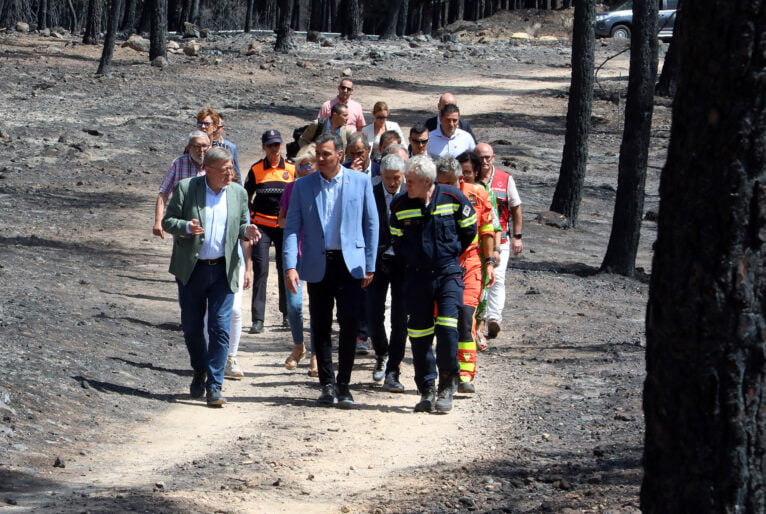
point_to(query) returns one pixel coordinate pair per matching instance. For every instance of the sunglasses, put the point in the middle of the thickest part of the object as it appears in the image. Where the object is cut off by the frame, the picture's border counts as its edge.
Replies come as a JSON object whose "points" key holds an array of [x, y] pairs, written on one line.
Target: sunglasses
{"points": [[346, 88], [304, 167], [204, 124], [420, 141]]}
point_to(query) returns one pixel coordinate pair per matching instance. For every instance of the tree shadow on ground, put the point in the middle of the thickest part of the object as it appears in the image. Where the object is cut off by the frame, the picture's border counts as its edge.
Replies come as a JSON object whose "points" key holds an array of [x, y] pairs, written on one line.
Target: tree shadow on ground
{"points": [[151, 366], [108, 387], [24, 492]]}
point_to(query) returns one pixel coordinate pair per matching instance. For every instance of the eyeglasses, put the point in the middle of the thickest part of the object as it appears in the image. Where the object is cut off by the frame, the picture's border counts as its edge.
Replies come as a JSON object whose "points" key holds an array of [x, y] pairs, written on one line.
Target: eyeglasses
{"points": [[420, 141], [486, 157], [304, 167], [345, 88], [381, 117], [204, 124], [199, 147]]}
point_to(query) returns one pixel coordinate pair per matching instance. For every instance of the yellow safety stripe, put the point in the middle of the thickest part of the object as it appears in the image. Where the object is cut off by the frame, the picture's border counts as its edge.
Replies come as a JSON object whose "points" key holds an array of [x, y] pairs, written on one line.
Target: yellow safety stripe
{"points": [[397, 231], [475, 239], [467, 366], [446, 208], [466, 345], [486, 228], [446, 322], [413, 332], [408, 213], [470, 220]]}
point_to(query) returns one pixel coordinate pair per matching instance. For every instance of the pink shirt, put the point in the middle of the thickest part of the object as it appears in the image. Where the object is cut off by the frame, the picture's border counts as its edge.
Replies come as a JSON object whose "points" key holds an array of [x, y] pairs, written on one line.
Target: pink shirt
{"points": [[355, 114]]}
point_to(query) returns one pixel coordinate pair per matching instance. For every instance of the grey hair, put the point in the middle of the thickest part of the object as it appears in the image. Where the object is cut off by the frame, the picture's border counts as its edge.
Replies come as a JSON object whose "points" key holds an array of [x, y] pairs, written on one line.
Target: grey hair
{"points": [[358, 136], [448, 165], [330, 136], [392, 162], [196, 134], [394, 147], [217, 154], [423, 167]]}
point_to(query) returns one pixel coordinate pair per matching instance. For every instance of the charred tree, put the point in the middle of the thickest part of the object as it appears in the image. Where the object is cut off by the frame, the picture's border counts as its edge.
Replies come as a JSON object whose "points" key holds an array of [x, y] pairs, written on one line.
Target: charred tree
{"points": [[115, 10], [705, 389], [92, 23], [631, 177], [393, 19], [249, 16], [129, 19], [401, 27], [158, 35], [354, 19], [285, 41], [42, 14], [667, 84], [568, 193]]}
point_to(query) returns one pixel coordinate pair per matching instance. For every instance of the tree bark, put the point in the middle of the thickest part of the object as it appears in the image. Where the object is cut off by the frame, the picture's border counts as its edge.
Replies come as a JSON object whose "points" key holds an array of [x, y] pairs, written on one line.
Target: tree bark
{"points": [[42, 14], [92, 23], [667, 84], [354, 20], [129, 20], [285, 41], [639, 106], [249, 16], [704, 402], [158, 35], [566, 198], [426, 18], [401, 28], [393, 18], [115, 10]]}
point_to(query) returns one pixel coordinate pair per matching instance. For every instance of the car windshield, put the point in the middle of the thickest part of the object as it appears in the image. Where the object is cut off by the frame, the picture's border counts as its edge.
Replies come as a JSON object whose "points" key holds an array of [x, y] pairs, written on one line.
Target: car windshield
{"points": [[626, 6]]}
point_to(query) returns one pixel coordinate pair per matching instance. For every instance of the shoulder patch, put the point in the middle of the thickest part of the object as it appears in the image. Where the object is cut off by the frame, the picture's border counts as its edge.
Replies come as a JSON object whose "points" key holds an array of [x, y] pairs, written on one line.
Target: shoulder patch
{"points": [[466, 210]]}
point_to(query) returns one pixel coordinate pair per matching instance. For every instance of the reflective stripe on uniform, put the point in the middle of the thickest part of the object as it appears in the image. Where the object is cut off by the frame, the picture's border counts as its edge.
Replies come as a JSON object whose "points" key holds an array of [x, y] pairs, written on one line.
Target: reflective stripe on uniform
{"points": [[466, 345], [446, 322], [396, 231], [446, 208], [408, 213], [413, 332], [466, 222]]}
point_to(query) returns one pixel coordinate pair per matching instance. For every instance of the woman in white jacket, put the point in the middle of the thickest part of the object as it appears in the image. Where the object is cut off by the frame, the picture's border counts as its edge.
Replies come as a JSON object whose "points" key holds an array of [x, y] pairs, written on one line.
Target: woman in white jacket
{"points": [[374, 130]]}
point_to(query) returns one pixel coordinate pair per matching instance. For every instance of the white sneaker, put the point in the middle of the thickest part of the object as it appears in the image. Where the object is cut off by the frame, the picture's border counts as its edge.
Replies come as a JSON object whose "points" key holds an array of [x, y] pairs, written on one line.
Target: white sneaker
{"points": [[232, 369]]}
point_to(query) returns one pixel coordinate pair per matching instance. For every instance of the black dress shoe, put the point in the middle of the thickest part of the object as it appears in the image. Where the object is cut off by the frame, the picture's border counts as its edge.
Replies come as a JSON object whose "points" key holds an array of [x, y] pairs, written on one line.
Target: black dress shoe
{"points": [[214, 398], [345, 400], [327, 398], [257, 327], [427, 399], [392, 384], [197, 387]]}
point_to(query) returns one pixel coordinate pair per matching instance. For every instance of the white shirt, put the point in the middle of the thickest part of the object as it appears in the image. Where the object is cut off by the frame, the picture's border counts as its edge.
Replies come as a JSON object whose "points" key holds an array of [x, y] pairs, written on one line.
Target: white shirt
{"points": [[440, 145], [213, 244]]}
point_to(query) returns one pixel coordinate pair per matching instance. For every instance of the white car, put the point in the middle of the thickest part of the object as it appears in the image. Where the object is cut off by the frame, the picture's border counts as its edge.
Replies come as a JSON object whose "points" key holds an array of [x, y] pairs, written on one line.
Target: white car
{"points": [[619, 22]]}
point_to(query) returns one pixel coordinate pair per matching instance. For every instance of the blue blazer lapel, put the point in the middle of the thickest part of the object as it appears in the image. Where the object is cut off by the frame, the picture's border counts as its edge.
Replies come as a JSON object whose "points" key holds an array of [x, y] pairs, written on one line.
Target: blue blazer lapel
{"points": [[316, 191]]}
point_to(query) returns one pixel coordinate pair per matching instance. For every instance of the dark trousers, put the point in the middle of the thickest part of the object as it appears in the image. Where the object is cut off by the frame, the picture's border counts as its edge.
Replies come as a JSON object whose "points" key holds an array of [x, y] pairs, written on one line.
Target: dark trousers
{"points": [[424, 290], [337, 286], [388, 274], [269, 235], [207, 289]]}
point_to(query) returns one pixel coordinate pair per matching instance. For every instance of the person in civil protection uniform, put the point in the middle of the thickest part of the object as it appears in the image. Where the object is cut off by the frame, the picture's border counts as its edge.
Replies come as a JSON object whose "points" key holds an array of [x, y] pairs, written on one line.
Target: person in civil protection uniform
{"points": [[265, 183], [432, 225]]}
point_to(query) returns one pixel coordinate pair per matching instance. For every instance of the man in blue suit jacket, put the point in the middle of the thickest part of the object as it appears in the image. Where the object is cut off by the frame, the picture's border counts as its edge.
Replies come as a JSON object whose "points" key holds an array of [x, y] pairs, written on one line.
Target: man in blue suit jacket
{"points": [[333, 217]]}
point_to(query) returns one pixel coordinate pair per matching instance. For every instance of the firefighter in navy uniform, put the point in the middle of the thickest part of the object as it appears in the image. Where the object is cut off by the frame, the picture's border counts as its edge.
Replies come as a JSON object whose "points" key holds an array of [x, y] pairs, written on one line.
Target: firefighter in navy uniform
{"points": [[265, 182], [432, 225]]}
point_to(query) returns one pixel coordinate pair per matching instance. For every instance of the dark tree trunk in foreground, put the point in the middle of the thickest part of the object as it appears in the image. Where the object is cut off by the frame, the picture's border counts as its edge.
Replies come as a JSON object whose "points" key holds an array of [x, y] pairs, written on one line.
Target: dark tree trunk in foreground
{"points": [[115, 10], [42, 14], [393, 19], [566, 198], [158, 35], [285, 41], [639, 105], [92, 23], [129, 20], [704, 396], [354, 19], [249, 16], [667, 84]]}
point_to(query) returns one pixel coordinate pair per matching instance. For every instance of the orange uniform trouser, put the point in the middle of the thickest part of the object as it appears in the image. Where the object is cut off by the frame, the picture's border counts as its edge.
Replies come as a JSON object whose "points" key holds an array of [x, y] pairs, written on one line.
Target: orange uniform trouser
{"points": [[466, 324]]}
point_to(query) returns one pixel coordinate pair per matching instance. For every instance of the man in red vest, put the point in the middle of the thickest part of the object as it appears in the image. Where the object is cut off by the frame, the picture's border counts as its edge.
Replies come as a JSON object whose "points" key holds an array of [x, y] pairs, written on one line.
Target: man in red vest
{"points": [[501, 183]]}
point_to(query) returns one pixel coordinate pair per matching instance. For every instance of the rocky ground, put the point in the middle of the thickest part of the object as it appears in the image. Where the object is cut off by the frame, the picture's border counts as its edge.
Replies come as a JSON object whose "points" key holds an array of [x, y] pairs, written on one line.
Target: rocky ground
{"points": [[93, 369]]}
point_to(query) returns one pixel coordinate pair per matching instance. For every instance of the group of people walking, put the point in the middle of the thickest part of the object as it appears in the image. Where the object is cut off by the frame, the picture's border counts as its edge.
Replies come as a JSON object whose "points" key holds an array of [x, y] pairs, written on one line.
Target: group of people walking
{"points": [[355, 217]]}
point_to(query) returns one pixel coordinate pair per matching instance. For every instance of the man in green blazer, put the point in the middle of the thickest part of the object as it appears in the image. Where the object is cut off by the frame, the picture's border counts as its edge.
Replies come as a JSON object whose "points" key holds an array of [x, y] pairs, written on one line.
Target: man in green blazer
{"points": [[208, 215]]}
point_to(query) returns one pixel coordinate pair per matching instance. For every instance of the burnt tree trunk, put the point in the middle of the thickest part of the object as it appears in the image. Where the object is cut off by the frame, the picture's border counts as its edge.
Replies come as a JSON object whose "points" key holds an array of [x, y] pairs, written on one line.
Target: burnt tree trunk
{"points": [[42, 14], [667, 84], [354, 19], [401, 28], [92, 23], [631, 177], [129, 19], [704, 395], [566, 198], [115, 10], [158, 35], [393, 19], [426, 18], [285, 41], [249, 16]]}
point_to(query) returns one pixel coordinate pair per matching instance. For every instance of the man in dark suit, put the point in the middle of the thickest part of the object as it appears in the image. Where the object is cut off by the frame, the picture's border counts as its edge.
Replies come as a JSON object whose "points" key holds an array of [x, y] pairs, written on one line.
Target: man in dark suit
{"points": [[388, 273], [208, 215], [333, 214], [433, 123]]}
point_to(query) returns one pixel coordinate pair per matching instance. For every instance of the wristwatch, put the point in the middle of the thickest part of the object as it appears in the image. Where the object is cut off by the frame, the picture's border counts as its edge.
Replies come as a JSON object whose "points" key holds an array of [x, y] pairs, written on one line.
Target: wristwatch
{"points": [[491, 260], [517, 236]]}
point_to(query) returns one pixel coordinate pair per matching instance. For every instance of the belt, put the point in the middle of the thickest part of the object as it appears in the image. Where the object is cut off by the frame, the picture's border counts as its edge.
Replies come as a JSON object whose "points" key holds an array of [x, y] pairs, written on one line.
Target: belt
{"points": [[333, 254], [213, 262]]}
